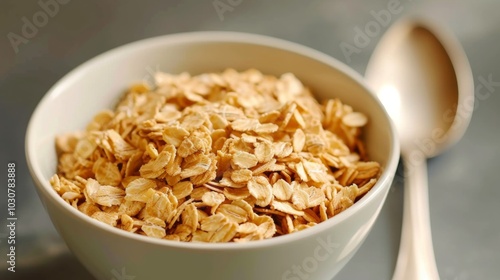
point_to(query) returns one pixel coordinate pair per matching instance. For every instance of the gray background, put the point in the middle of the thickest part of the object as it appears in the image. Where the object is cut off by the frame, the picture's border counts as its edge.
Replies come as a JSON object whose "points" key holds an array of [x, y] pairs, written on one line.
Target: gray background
{"points": [[464, 189]]}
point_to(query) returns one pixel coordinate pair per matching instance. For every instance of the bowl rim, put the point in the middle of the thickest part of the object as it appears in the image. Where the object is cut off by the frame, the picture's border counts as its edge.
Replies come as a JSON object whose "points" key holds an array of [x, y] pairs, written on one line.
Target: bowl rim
{"points": [[46, 189]]}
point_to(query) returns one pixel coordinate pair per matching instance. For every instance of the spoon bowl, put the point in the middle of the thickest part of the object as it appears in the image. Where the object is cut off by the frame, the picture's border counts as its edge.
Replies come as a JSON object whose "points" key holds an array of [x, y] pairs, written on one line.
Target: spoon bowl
{"points": [[423, 78]]}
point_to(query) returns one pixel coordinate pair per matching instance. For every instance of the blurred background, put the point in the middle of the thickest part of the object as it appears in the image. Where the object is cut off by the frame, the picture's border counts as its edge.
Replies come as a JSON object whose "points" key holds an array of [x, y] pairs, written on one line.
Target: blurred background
{"points": [[463, 182]]}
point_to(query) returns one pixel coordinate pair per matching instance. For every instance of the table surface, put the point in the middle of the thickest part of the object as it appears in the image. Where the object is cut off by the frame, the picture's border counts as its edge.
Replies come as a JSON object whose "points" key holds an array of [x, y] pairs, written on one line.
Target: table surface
{"points": [[464, 190]]}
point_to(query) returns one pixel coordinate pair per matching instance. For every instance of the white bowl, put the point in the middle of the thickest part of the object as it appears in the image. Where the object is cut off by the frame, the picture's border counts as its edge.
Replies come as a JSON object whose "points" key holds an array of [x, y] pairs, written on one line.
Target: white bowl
{"points": [[316, 253]]}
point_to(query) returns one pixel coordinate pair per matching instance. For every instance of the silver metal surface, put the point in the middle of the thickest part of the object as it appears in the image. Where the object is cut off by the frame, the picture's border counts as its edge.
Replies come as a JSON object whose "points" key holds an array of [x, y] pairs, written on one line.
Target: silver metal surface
{"points": [[463, 182], [424, 80]]}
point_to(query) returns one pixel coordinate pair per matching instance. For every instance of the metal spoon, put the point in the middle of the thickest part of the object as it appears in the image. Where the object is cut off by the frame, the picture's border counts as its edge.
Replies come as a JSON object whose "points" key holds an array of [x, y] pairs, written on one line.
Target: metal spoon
{"points": [[423, 78]]}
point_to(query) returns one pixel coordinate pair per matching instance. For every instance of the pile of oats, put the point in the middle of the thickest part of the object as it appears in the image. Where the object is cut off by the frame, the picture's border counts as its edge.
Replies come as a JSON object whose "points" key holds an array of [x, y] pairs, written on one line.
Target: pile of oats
{"points": [[218, 157]]}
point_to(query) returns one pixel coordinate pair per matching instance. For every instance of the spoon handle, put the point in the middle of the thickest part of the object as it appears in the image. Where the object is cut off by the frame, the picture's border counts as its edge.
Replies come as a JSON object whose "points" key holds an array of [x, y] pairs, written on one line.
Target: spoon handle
{"points": [[416, 259]]}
